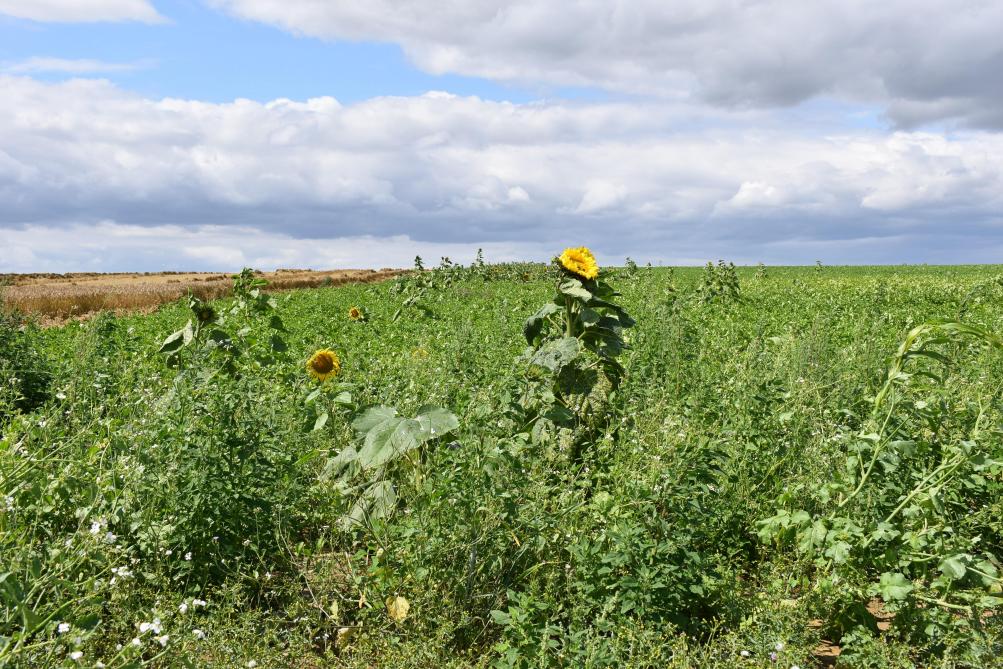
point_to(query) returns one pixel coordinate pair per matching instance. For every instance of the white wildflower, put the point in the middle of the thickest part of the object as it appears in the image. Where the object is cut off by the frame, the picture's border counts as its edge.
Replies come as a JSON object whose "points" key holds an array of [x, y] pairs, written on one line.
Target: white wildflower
{"points": [[745, 653], [199, 634], [148, 627], [76, 655], [162, 640], [63, 628], [188, 556], [183, 608]]}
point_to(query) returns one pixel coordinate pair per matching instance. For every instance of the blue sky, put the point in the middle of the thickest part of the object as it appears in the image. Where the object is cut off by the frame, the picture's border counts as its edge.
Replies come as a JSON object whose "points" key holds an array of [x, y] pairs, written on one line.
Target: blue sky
{"points": [[778, 131], [202, 53]]}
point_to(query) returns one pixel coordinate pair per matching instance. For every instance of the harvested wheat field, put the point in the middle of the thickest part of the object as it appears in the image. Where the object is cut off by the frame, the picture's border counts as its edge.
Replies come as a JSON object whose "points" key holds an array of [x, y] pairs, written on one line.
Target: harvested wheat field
{"points": [[55, 298]]}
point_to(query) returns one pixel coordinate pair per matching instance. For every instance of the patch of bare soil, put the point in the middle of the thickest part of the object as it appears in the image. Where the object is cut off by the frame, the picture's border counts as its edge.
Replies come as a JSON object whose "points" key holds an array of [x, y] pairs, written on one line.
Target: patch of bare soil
{"points": [[827, 652], [56, 298]]}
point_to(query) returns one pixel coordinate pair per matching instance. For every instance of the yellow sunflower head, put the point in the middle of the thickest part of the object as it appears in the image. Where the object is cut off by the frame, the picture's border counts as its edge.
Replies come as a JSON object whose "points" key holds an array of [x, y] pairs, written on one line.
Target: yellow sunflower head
{"points": [[580, 261], [323, 364], [355, 314]]}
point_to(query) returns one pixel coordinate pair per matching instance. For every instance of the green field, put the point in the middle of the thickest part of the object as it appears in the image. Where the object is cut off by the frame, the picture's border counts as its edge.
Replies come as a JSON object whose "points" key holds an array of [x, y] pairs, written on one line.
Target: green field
{"points": [[780, 460]]}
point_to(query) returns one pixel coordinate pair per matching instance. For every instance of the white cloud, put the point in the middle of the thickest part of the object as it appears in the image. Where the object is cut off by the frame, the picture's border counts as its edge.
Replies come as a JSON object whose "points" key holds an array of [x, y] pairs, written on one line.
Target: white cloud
{"points": [[923, 60], [446, 171], [71, 66], [107, 246], [78, 11]]}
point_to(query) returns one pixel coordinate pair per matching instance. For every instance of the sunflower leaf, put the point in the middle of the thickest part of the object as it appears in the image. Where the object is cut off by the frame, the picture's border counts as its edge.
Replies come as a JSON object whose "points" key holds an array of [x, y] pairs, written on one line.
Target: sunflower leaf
{"points": [[554, 355], [434, 422], [370, 418], [575, 288], [534, 324], [173, 343]]}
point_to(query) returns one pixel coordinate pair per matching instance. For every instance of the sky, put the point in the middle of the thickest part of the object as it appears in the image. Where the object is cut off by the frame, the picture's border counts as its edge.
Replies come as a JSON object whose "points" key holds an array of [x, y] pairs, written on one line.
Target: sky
{"points": [[142, 135]]}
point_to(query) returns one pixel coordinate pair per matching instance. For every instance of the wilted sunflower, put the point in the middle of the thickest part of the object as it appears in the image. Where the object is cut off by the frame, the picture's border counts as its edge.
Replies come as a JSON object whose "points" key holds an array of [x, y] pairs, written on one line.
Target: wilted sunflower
{"points": [[323, 364], [580, 261], [355, 314], [397, 608]]}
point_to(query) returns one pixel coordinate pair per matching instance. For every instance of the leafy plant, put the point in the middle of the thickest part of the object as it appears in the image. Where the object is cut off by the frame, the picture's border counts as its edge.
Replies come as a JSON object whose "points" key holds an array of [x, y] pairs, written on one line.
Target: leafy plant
{"points": [[576, 340], [897, 514], [384, 439], [719, 283]]}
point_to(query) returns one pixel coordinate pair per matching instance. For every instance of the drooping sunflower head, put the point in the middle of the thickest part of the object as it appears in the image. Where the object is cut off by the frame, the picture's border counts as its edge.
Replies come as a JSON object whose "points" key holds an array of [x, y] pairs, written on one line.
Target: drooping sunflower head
{"points": [[355, 314], [323, 364], [580, 261], [205, 314]]}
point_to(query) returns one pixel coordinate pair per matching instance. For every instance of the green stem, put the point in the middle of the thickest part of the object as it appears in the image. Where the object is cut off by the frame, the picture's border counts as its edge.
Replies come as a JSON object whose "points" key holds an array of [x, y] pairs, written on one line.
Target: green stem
{"points": [[878, 449]]}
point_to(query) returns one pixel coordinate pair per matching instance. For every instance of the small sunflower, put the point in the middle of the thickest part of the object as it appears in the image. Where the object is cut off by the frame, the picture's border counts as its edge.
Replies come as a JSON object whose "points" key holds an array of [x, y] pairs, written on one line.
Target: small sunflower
{"points": [[356, 314], [323, 364], [580, 261]]}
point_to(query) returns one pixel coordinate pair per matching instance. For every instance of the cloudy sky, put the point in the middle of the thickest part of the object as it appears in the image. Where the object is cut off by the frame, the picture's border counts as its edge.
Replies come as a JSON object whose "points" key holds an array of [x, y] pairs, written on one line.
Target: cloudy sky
{"points": [[212, 134]]}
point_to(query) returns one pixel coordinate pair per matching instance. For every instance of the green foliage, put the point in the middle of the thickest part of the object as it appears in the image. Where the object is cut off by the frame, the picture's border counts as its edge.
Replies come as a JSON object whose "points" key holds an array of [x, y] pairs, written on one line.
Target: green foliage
{"points": [[24, 370], [898, 513], [719, 283], [818, 459], [575, 341], [384, 439]]}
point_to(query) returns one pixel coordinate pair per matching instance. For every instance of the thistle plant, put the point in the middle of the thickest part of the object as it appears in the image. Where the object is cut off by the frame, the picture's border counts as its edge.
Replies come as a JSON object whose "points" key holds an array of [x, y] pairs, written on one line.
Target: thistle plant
{"points": [[719, 283]]}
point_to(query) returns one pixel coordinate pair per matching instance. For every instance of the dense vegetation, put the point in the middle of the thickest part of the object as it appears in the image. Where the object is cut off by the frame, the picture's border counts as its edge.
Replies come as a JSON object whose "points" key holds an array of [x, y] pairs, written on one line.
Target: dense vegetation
{"points": [[514, 467]]}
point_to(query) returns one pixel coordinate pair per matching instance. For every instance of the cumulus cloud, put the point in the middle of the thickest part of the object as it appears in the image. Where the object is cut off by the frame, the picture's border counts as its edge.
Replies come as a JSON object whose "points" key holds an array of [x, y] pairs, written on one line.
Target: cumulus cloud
{"points": [[652, 180], [923, 60], [107, 246], [75, 11]]}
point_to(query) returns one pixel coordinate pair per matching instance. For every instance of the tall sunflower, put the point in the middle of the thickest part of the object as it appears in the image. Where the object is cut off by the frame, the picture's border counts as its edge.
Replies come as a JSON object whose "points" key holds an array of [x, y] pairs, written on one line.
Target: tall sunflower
{"points": [[323, 364], [580, 261]]}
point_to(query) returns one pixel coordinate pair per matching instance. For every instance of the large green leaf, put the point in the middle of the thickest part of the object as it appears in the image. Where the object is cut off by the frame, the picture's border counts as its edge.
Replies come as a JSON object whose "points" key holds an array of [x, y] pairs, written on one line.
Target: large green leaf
{"points": [[954, 567], [379, 445], [894, 586], [370, 418], [534, 324], [574, 288], [178, 339], [378, 501], [556, 354], [433, 422]]}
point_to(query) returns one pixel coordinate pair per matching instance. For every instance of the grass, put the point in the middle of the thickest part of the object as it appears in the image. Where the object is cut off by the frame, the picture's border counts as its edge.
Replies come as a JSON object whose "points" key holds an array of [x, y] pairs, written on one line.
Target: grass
{"points": [[680, 527]]}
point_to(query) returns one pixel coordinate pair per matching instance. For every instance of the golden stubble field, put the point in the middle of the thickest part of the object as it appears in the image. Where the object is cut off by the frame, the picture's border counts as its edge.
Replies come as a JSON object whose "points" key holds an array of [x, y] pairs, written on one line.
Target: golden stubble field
{"points": [[55, 298]]}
